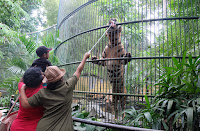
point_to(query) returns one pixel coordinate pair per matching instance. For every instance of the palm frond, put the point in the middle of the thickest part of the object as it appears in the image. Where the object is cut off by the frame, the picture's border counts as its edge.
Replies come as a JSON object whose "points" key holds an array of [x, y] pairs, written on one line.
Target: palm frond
{"points": [[16, 70]]}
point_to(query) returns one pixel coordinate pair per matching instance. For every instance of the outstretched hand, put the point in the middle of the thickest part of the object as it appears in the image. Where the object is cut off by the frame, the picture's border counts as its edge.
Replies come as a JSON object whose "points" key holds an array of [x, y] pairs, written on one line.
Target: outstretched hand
{"points": [[81, 65], [87, 55]]}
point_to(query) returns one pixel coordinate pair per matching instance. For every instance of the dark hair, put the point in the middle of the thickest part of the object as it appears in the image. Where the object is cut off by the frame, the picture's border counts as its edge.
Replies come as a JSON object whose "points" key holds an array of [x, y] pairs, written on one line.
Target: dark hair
{"points": [[42, 50], [54, 85], [33, 77]]}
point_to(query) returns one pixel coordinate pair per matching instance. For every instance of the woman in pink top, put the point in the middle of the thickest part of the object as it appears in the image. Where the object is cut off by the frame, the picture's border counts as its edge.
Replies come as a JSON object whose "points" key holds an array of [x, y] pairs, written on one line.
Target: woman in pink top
{"points": [[27, 119]]}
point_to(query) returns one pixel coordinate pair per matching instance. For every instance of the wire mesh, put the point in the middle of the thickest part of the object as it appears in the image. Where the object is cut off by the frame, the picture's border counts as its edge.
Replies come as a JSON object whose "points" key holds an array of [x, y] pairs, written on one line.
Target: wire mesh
{"points": [[153, 31], [40, 35]]}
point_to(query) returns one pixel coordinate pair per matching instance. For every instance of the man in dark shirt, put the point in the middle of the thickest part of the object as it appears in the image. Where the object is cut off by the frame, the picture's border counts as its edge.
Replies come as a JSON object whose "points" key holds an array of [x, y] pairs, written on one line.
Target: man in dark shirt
{"points": [[42, 62]]}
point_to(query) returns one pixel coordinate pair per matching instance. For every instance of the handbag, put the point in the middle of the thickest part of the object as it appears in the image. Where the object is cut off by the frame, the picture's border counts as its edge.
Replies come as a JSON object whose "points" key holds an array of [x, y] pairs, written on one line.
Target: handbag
{"points": [[7, 121]]}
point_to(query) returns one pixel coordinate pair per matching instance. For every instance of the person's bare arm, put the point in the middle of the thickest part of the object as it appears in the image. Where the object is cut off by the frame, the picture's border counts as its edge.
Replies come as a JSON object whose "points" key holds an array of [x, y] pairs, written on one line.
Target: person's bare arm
{"points": [[81, 65], [21, 80], [24, 101]]}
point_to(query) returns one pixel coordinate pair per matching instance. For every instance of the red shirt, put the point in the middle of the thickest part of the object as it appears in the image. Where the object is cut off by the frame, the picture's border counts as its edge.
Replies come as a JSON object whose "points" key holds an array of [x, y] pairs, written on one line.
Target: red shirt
{"points": [[27, 119]]}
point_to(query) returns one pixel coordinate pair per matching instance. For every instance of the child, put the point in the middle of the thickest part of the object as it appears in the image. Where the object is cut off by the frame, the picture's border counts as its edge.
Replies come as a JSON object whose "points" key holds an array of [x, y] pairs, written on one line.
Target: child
{"points": [[56, 99], [42, 62]]}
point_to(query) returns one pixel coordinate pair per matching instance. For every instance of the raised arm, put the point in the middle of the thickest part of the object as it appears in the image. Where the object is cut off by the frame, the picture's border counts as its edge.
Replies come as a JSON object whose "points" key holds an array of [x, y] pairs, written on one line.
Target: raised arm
{"points": [[23, 98], [81, 65]]}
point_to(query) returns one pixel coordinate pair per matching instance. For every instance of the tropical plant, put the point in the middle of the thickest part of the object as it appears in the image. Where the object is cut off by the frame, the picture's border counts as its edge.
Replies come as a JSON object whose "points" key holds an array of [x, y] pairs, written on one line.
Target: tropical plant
{"points": [[85, 115], [51, 11], [179, 85], [18, 55], [179, 91], [176, 105], [17, 14], [5, 101], [147, 117]]}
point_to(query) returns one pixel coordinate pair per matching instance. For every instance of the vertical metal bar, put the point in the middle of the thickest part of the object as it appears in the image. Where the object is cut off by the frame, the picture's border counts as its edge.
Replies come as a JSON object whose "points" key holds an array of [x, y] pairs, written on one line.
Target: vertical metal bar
{"points": [[98, 82], [92, 68], [155, 47], [131, 74], [121, 99], [193, 37], [94, 78], [87, 74], [188, 31], [163, 28], [135, 54], [102, 70], [142, 52], [167, 37], [198, 35], [151, 52], [180, 30], [159, 52], [105, 72], [177, 54], [115, 114], [193, 28], [138, 54], [146, 52], [88, 77], [172, 43]]}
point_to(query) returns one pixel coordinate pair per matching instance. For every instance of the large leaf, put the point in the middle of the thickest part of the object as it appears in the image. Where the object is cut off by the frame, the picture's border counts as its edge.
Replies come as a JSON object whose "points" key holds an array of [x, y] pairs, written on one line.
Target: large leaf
{"points": [[89, 127], [169, 106], [148, 116], [29, 44], [198, 101], [189, 113], [147, 101], [177, 116], [16, 70]]}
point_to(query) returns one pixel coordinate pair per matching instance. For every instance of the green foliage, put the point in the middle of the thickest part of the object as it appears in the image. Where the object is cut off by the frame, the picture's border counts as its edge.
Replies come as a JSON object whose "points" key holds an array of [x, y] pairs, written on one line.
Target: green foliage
{"points": [[148, 117], [51, 7], [176, 105], [5, 101], [6, 34], [50, 40], [12, 13], [85, 115], [11, 84], [17, 52], [179, 91], [28, 43], [19, 58], [16, 14], [190, 8], [183, 76]]}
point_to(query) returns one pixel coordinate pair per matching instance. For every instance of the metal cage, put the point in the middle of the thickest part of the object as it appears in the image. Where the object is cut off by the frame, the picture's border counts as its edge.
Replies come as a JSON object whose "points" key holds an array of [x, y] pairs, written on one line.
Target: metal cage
{"points": [[153, 31]]}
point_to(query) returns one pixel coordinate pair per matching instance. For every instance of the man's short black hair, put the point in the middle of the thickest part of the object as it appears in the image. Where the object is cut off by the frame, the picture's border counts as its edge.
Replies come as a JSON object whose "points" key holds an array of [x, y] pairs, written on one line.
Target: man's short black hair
{"points": [[33, 77], [42, 50]]}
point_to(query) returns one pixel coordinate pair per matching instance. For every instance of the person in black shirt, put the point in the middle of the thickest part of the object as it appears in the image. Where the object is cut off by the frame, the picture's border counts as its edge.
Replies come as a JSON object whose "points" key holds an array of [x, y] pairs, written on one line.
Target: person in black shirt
{"points": [[42, 62]]}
